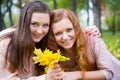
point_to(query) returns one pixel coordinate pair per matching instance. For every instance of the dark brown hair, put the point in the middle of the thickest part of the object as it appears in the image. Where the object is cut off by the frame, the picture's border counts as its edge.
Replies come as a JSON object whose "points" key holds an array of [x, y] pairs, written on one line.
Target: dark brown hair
{"points": [[21, 47]]}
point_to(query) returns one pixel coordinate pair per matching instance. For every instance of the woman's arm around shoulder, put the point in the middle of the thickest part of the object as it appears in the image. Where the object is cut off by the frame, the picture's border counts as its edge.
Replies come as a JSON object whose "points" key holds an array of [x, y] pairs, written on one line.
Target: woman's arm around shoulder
{"points": [[105, 61]]}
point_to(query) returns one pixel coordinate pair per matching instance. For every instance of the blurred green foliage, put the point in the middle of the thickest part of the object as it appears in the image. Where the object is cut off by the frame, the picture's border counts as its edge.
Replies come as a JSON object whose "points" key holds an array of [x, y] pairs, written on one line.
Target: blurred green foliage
{"points": [[112, 43], [7, 21], [66, 4], [109, 19], [112, 4]]}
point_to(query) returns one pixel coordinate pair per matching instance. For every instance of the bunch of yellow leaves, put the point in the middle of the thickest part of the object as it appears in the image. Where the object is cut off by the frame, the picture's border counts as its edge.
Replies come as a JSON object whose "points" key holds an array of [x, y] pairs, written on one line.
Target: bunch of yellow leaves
{"points": [[47, 58]]}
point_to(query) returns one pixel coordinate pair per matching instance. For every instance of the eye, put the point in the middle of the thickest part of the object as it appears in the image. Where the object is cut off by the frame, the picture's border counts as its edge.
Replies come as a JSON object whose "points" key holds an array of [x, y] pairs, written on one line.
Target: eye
{"points": [[69, 29], [46, 25], [58, 34], [34, 24]]}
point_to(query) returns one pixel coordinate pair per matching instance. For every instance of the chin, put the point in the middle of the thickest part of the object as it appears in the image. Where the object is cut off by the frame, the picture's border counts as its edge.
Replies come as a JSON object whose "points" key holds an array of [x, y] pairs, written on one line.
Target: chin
{"points": [[67, 47], [37, 40]]}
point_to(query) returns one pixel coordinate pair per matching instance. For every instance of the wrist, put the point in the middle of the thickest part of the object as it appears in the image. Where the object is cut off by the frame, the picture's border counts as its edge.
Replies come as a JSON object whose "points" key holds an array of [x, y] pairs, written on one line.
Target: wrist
{"points": [[77, 75], [74, 75]]}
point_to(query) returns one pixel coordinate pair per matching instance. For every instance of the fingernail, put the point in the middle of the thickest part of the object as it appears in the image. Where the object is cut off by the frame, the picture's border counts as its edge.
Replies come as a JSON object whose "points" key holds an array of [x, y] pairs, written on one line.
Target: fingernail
{"points": [[94, 35]]}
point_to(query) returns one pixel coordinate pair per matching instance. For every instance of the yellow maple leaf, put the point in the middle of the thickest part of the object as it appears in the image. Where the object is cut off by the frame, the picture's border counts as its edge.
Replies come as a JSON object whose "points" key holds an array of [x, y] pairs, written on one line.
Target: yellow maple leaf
{"points": [[47, 58]]}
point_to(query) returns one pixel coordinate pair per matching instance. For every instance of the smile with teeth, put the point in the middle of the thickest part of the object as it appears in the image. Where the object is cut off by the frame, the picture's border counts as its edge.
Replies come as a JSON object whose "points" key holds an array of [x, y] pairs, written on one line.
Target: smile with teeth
{"points": [[67, 42]]}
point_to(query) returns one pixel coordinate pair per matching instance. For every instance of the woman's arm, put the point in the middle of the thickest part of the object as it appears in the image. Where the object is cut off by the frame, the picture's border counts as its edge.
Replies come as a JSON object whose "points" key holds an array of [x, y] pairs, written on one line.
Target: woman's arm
{"points": [[42, 77], [107, 64], [105, 61], [89, 75]]}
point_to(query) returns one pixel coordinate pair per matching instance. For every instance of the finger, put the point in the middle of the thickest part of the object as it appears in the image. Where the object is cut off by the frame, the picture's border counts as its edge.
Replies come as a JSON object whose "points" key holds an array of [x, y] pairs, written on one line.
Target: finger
{"points": [[88, 29], [99, 35], [54, 70], [57, 70], [96, 35], [58, 76], [54, 76], [56, 65], [94, 31]]}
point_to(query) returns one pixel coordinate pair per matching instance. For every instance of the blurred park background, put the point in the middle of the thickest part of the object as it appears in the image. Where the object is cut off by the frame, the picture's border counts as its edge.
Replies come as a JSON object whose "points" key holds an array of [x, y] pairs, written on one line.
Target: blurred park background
{"points": [[105, 14]]}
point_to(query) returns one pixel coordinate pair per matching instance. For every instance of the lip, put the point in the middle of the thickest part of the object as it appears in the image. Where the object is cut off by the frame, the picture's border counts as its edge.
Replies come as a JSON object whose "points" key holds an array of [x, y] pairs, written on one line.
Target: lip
{"points": [[68, 42], [37, 35]]}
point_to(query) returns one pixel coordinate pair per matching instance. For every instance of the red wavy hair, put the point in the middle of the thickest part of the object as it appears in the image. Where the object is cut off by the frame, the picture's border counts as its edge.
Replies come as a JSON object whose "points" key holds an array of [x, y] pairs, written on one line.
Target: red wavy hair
{"points": [[80, 44]]}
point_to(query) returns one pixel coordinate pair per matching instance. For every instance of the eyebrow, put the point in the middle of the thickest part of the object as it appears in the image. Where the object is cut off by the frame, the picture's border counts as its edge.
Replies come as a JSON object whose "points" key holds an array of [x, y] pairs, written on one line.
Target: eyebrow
{"points": [[38, 22]]}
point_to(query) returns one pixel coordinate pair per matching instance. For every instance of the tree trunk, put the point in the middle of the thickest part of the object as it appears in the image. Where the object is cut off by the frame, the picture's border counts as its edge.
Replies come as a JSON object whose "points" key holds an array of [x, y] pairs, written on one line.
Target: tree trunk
{"points": [[73, 5], [2, 25], [20, 4], [97, 13], [87, 1], [55, 4], [113, 24], [9, 2]]}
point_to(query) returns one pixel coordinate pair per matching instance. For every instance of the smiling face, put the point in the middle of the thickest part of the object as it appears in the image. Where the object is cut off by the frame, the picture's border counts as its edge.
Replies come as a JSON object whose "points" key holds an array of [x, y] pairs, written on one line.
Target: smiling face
{"points": [[64, 33], [39, 25]]}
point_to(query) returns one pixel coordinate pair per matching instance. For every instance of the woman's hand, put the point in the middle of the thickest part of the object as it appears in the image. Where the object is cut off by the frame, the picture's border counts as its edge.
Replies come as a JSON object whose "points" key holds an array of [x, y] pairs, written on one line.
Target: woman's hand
{"points": [[92, 30], [54, 73]]}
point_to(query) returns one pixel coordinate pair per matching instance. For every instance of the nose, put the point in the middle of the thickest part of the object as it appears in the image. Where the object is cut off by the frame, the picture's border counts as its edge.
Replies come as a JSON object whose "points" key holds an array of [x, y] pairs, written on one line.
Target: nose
{"points": [[65, 36], [39, 30]]}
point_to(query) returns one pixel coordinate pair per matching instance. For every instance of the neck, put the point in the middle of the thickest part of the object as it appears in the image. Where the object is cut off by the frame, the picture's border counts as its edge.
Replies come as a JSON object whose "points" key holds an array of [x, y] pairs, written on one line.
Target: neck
{"points": [[69, 51]]}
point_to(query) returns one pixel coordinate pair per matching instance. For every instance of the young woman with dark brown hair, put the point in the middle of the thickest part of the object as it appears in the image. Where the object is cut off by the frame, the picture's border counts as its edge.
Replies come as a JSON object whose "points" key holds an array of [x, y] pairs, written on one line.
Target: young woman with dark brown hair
{"points": [[16, 49]]}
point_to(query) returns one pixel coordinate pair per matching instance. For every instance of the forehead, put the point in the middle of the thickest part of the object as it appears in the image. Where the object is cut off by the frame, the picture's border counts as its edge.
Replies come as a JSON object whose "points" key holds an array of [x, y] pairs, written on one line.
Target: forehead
{"points": [[62, 24], [44, 17]]}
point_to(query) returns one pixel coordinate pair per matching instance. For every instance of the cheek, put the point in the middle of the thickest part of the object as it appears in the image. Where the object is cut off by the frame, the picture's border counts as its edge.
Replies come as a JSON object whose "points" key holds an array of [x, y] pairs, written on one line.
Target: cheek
{"points": [[74, 33], [46, 30], [74, 36], [58, 39], [32, 29]]}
